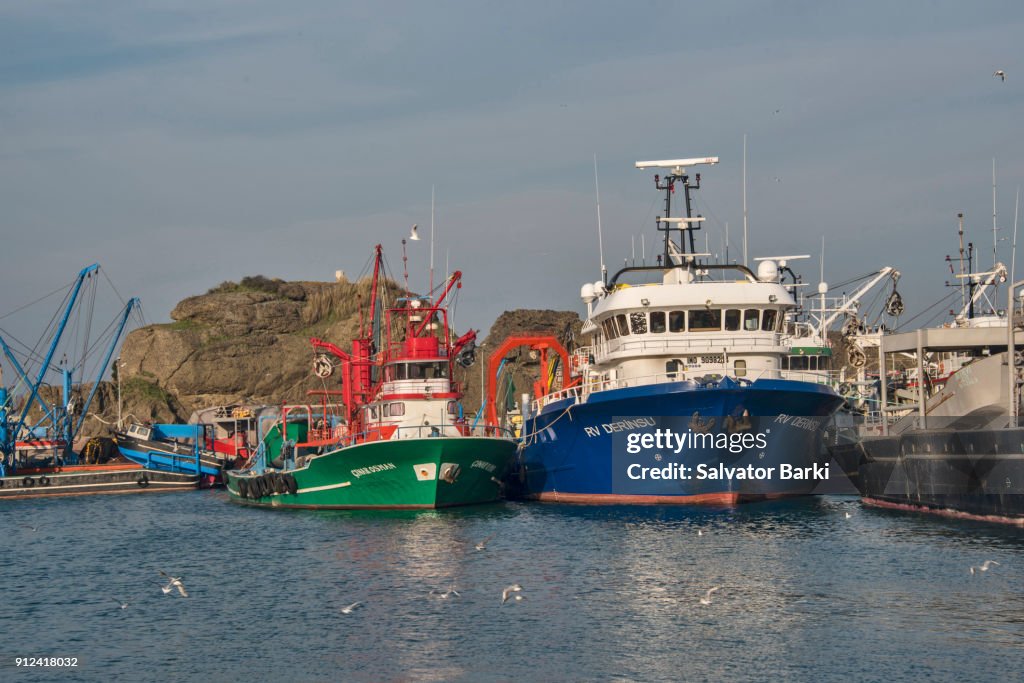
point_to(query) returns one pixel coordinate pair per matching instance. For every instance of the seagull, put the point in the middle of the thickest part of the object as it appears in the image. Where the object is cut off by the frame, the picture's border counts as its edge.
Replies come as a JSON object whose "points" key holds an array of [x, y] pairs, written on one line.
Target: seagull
{"points": [[514, 588], [482, 545], [350, 608], [447, 594], [848, 515], [30, 528], [706, 600], [173, 582], [700, 532], [414, 236], [776, 111], [985, 566], [1000, 73], [124, 605]]}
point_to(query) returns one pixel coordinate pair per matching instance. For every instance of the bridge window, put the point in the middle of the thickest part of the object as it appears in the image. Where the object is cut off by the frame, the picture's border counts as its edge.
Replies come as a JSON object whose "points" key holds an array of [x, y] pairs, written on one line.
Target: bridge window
{"points": [[740, 367], [638, 322], [768, 320], [799, 363], [657, 322], [397, 409], [620, 320], [609, 329], [706, 320], [732, 320], [750, 319], [677, 321]]}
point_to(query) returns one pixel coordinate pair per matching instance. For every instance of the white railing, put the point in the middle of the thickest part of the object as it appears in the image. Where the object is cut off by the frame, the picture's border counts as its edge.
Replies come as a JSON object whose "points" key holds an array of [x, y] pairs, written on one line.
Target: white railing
{"points": [[685, 344]]}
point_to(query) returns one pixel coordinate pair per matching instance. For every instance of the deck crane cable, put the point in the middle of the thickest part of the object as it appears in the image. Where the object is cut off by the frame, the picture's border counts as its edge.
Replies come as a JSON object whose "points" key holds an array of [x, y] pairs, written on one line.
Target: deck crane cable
{"points": [[62, 288], [943, 300]]}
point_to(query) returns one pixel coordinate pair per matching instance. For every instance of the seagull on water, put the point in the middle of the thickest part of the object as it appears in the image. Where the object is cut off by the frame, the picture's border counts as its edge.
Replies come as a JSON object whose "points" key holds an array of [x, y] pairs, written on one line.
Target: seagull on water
{"points": [[514, 588], [172, 583], [124, 605], [706, 600], [351, 608], [985, 566], [1000, 73], [482, 545], [848, 515]]}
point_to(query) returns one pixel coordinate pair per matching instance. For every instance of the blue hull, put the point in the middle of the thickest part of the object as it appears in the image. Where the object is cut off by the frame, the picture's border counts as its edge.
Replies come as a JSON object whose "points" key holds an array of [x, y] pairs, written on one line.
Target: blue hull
{"points": [[770, 429], [169, 461]]}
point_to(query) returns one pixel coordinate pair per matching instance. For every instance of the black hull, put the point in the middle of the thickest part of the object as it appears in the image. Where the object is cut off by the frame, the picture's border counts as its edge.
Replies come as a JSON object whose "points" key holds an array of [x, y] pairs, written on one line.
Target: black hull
{"points": [[90, 480], [976, 473]]}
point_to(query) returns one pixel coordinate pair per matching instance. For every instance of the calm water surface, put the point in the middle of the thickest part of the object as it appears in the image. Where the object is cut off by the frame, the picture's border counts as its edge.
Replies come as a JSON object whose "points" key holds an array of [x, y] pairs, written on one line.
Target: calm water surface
{"points": [[612, 593]]}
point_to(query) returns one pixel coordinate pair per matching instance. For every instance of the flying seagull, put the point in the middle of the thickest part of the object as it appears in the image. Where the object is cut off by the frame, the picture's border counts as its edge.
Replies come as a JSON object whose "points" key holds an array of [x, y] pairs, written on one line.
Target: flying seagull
{"points": [[514, 588], [414, 235], [446, 594], [173, 582], [124, 605], [482, 545], [351, 608], [706, 600], [1000, 73], [985, 566]]}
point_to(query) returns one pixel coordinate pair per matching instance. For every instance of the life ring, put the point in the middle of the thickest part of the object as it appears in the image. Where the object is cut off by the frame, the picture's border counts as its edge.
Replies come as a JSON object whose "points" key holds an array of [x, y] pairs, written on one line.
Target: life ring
{"points": [[142, 481], [28, 482], [44, 480]]}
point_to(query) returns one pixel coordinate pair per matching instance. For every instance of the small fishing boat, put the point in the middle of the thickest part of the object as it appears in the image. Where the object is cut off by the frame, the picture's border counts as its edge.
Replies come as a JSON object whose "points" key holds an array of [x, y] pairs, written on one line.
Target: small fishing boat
{"points": [[398, 439], [37, 439]]}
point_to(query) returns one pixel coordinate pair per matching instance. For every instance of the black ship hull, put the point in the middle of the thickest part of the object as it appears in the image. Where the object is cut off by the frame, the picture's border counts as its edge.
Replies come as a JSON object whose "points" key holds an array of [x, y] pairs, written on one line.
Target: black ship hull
{"points": [[976, 473]]}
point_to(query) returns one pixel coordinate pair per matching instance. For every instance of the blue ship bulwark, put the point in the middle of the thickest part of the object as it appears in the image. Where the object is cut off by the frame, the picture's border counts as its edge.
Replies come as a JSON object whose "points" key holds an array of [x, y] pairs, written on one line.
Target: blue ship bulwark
{"points": [[679, 442]]}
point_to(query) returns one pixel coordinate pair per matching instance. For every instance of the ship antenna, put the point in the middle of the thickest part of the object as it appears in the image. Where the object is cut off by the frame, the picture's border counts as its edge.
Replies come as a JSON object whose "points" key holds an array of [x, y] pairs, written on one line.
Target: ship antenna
{"points": [[995, 240], [744, 199], [600, 239], [431, 290], [963, 280]]}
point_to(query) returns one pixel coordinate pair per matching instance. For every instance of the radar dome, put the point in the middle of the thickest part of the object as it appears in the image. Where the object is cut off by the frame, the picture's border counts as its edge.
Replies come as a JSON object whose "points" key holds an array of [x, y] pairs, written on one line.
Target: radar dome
{"points": [[587, 293], [767, 271], [822, 288]]}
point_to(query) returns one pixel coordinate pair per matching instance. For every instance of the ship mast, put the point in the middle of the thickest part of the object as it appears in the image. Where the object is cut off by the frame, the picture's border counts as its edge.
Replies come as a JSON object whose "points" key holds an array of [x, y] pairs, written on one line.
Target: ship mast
{"points": [[677, 173]]}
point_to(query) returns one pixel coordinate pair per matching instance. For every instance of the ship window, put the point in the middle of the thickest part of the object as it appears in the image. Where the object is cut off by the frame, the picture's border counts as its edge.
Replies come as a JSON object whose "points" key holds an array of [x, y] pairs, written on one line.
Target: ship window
{"points": [[385, 410], [371, 413], [452, 408], [732, 319], [750, 319], [784, 363], [677, 321], [638, 322], [397, 410], [672, 367], [706, 320], [609, 329], [657, 322], [741, 368], [768, 320], [620, 320], [798, 363]]}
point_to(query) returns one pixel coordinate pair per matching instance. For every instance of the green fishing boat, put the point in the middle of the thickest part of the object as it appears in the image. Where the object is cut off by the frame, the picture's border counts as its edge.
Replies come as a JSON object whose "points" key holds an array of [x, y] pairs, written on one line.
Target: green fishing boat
{"points": [[398, 438]]}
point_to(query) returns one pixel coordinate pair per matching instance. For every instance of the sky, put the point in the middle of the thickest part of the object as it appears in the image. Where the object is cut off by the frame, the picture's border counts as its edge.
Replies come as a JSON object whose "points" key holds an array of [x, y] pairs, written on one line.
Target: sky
{"points": [[182, 144]]}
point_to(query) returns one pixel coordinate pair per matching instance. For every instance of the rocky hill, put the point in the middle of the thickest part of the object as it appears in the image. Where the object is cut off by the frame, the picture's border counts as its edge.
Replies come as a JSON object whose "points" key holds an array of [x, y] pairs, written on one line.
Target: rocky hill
{"points": [[248, 342]]}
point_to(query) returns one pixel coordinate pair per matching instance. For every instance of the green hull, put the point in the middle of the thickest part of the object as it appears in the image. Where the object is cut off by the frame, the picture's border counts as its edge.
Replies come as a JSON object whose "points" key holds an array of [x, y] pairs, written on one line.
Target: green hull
{"points": [[403, 473]]}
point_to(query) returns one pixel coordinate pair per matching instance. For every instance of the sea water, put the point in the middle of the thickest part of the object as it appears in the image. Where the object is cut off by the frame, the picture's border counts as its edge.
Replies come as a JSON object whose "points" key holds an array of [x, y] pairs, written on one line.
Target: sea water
{"points": [[609, 593]]}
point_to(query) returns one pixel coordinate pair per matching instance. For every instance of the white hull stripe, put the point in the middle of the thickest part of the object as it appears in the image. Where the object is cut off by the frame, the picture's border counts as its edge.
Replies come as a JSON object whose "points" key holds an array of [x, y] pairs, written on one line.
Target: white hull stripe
{"points": [[312, 489]]}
